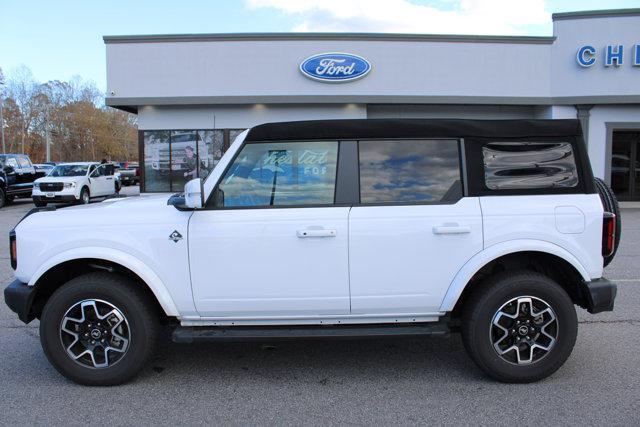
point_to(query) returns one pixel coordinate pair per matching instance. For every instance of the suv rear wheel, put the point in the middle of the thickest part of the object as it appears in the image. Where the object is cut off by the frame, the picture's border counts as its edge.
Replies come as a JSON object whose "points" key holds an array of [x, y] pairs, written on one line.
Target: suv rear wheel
{"points": [[519, 327], [98, 329]]}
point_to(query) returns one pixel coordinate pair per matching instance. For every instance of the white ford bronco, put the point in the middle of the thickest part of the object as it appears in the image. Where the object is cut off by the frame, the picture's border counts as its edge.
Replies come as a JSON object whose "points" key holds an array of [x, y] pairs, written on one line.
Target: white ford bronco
{"points": [[319, 229]]}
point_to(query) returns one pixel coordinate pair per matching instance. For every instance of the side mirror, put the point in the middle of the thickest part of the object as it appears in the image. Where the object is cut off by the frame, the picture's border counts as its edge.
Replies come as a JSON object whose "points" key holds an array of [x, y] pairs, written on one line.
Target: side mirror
{"points": [[8, 169], [194, 194]]}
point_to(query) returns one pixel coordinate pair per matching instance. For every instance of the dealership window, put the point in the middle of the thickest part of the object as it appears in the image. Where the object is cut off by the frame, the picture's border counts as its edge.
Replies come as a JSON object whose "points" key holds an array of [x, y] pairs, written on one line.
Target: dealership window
{"points": [[412, 171], [529, 165], [173, 157], [280, 174]]}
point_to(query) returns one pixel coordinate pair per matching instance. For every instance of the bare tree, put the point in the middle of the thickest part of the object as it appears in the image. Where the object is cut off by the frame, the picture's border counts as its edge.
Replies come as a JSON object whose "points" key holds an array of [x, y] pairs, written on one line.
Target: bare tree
{"points": [[22, 88], [71, 115]]}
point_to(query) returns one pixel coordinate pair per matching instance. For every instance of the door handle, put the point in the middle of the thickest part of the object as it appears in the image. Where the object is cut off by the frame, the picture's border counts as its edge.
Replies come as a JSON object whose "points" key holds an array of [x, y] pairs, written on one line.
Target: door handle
{"points": [[311, 232], [109, 179], [451, 229]]}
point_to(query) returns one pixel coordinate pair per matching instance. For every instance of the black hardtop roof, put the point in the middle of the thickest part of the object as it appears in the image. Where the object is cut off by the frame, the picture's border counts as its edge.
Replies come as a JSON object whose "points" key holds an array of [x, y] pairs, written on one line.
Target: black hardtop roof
{"points": [[412, 128]]}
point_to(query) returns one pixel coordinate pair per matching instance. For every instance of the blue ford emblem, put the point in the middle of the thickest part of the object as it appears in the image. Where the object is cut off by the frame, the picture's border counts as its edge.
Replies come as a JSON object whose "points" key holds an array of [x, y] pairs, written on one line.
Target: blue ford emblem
{"points": [[335, 67]]}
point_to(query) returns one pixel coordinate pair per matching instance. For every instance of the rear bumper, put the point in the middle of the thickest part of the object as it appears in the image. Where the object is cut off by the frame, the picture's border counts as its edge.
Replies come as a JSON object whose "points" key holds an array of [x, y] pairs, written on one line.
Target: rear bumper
{"points": [[600, 295], [19, 298]]}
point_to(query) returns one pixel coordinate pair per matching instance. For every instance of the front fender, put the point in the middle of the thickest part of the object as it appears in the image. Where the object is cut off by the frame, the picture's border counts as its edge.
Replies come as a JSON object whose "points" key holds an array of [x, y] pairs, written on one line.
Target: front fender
{"points": [[118, 257], [496, 251]]}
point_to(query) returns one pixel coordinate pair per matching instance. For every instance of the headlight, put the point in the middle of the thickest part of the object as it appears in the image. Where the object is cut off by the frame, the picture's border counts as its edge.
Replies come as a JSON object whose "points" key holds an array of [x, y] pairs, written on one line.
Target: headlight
{"points": [[36, 186], [69, 185]]}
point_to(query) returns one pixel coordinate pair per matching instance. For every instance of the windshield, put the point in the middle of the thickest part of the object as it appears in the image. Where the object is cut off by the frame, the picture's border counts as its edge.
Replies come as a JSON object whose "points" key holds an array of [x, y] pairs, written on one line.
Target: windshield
{"points": [[69, 170]]}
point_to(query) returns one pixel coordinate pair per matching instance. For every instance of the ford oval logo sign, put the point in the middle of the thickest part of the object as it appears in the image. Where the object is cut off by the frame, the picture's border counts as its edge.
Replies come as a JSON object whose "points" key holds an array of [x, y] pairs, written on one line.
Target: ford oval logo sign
{"points": [[335, 67]]}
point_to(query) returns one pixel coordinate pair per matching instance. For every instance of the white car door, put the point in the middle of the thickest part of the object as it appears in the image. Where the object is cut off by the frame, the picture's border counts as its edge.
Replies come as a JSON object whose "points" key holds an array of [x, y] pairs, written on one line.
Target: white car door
{"points": [[272, 243], [100, 183], [110, 180], [413, 229]]}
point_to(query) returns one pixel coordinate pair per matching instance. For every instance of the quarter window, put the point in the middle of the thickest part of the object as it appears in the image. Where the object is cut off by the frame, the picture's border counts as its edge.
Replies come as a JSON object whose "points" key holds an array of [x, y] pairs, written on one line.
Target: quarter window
{"points": [[281, 174], [415, 171], [529, 165]]}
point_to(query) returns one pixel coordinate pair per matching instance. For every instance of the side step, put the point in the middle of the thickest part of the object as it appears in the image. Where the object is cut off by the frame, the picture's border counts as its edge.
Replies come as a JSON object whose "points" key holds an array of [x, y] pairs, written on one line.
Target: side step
{"points": [[189, 334]]}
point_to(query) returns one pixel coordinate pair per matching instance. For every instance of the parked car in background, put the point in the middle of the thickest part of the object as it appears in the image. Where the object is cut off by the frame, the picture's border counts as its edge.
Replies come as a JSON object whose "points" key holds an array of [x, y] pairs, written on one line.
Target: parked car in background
{"points": [[43, 169], [75, 182], [16, 177], [129, 173]]}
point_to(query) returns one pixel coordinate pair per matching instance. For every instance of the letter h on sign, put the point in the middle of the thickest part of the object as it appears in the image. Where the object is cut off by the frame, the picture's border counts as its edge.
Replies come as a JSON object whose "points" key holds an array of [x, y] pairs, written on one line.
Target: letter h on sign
{"points": [[614, 57]]}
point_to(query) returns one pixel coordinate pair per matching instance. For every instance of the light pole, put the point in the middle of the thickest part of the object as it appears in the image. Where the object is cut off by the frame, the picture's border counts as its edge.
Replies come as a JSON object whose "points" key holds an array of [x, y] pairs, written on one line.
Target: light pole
{"points": [[46, 133], [4, 149]]}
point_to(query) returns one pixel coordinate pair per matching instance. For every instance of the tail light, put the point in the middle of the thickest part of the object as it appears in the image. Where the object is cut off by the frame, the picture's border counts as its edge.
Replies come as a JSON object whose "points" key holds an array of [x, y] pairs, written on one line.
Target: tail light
{"points": [[608, 234], [13, 250]]}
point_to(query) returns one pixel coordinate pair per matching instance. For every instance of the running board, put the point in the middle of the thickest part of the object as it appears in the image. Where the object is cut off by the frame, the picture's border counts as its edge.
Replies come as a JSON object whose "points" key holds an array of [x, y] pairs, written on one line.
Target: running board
{"points": [[189, 334]]}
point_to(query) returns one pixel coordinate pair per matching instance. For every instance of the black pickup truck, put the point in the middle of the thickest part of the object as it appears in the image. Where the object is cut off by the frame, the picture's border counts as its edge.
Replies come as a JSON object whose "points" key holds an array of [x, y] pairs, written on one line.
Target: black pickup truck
{"points": [[16, 177]]}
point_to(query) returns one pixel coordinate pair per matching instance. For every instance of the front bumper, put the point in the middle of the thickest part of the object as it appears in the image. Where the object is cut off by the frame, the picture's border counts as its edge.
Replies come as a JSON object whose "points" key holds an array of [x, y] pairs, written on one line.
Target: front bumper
{"points": [[65, 195], [19, 297], [56, 199], [600, 295]]}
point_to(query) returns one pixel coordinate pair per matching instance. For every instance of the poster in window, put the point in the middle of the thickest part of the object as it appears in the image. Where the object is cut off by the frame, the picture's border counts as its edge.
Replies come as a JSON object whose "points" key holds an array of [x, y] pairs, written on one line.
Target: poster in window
{"points": [[156, 161]]}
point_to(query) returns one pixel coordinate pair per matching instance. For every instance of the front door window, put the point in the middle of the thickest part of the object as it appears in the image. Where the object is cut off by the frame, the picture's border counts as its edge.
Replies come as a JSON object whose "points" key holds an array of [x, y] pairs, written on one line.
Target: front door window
{"points": [[281, 174]]}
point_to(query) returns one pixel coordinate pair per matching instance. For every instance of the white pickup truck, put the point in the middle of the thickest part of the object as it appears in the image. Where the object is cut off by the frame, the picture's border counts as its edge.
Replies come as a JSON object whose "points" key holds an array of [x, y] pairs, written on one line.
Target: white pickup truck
{"points": [[495, 229], [74, 182]]}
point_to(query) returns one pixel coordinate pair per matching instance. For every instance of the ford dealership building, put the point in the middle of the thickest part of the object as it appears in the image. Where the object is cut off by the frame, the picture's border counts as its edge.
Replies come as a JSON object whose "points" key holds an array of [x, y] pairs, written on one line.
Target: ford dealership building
{"points": [[197, 92]]}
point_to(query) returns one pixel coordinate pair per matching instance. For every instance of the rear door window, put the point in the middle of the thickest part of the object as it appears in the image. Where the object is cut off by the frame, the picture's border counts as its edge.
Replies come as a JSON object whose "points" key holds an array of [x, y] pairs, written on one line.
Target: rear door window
{"points": [[529, 165], [409, 171], [24, 162]]}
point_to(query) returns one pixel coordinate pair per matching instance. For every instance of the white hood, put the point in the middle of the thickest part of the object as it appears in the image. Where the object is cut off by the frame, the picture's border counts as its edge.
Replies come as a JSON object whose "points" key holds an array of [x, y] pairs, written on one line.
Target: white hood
{"points": [[60, 179]]}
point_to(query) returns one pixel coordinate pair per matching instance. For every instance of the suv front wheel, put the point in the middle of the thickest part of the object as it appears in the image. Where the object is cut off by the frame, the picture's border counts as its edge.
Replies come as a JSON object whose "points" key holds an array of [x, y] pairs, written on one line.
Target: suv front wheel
{"points": [[519, 327], [99, 329], [85, 196]]}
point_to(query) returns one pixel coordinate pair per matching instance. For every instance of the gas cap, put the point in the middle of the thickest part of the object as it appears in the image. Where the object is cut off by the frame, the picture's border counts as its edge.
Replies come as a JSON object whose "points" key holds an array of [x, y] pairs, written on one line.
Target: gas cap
{"points": [[569, 220]]}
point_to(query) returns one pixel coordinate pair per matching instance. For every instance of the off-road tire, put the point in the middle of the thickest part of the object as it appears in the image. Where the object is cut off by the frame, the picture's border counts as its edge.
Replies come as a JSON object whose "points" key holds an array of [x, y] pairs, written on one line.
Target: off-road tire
{"points": [[484, 302], [126, 296]]}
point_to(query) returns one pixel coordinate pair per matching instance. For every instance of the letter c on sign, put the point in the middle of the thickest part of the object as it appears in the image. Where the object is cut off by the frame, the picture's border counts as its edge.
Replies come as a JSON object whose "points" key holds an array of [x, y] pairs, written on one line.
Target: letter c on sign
{"points": [[586, 56]]}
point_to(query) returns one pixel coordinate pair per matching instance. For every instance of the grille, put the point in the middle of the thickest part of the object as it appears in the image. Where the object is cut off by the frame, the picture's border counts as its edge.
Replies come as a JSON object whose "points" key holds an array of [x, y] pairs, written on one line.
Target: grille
{"points": [[51, 186]]}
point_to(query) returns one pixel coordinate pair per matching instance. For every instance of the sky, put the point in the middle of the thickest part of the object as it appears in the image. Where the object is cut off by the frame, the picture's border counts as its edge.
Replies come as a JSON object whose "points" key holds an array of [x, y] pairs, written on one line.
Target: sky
{"points": [[59, 39]]}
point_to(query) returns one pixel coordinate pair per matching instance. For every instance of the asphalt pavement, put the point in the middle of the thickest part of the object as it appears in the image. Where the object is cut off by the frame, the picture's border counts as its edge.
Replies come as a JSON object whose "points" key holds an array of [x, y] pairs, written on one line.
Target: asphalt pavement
{"points": [[411, 381]]}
